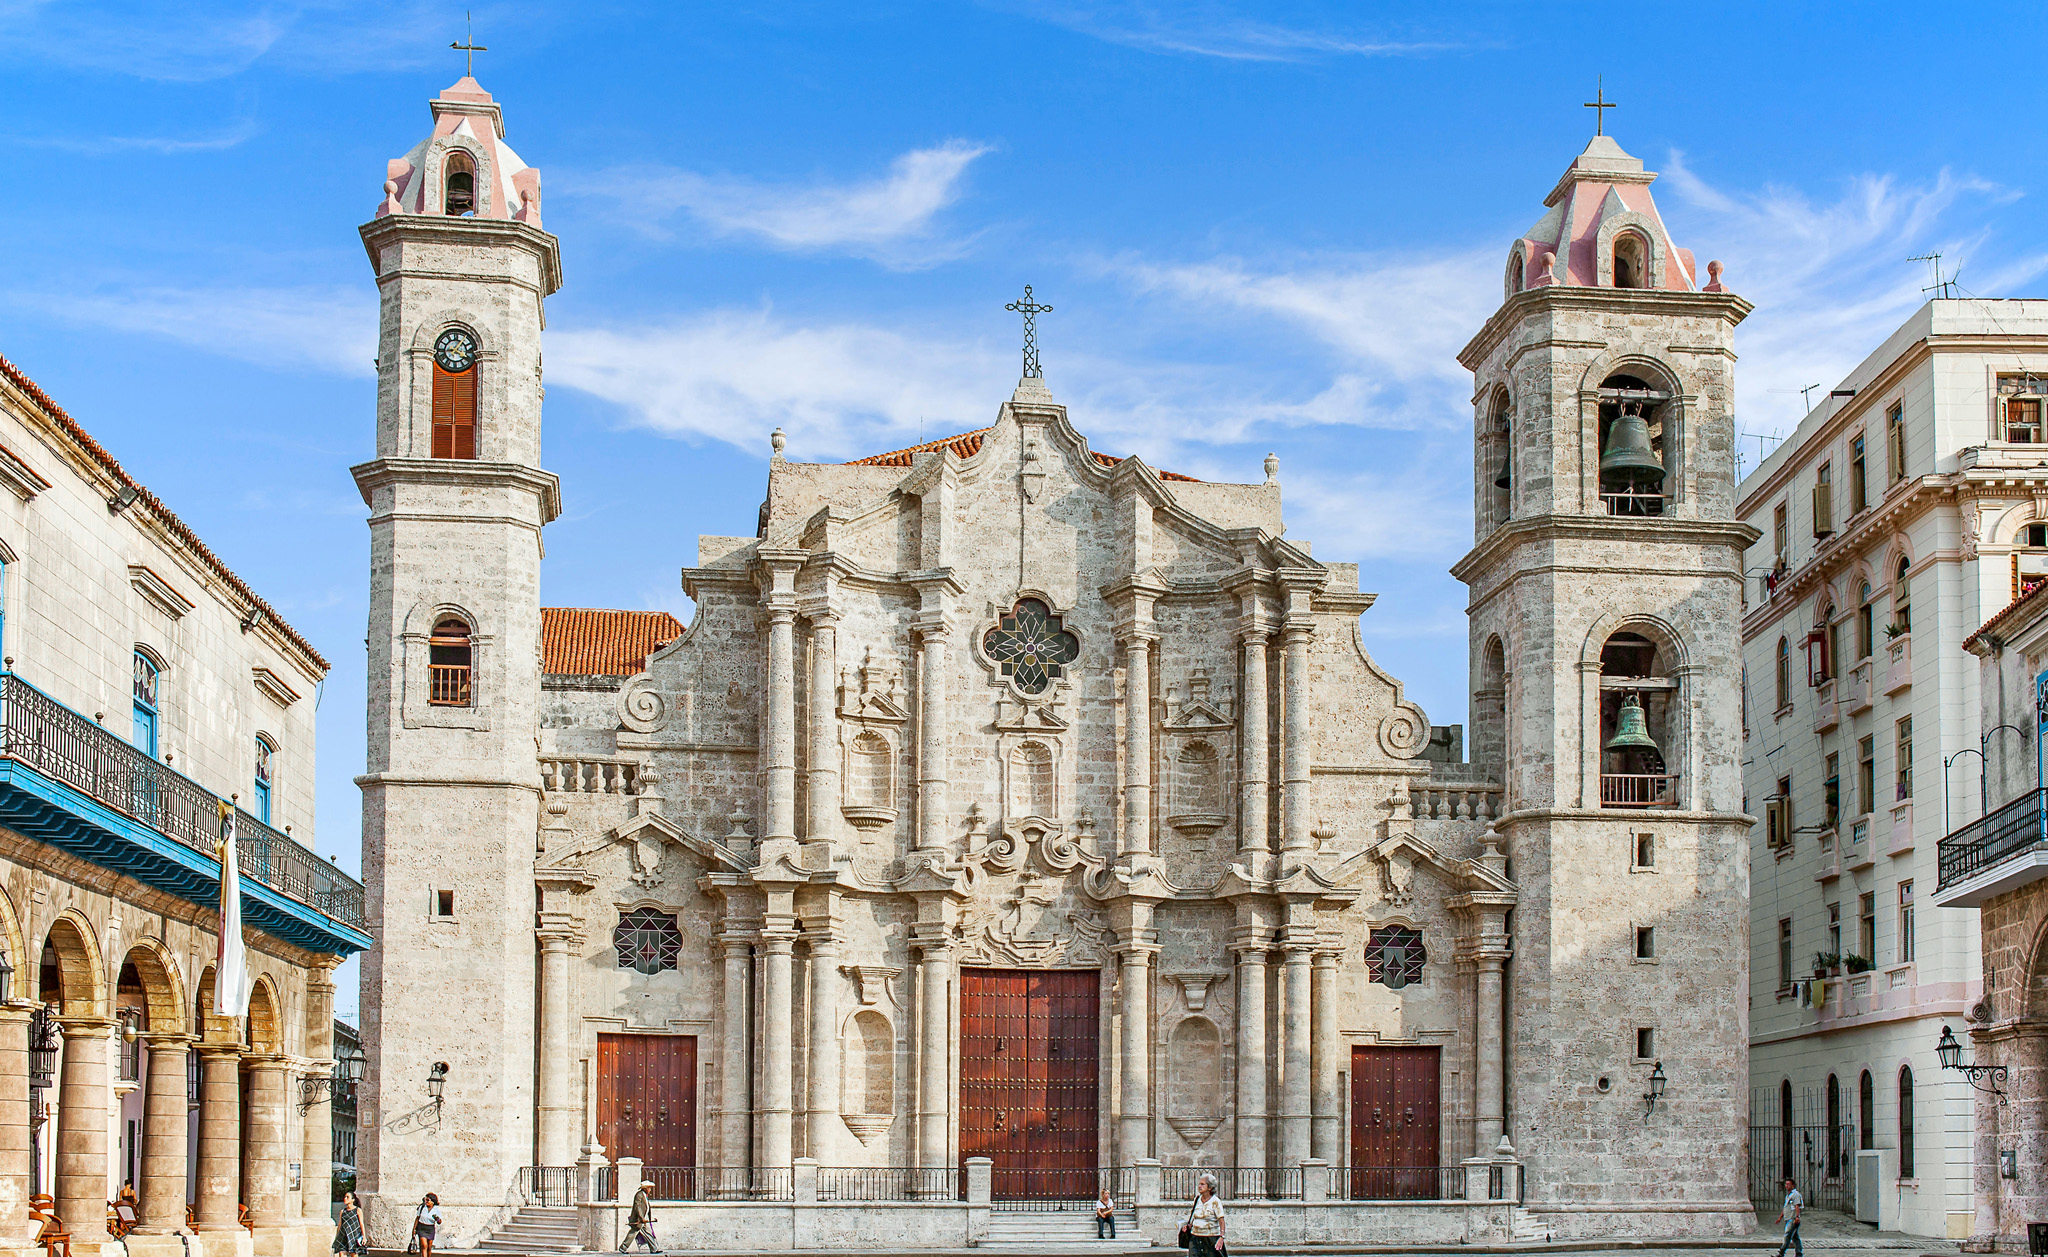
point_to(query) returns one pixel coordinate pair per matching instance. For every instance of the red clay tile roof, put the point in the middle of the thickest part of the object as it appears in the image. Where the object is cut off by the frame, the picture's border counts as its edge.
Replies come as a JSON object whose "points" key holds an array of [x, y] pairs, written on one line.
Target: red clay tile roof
{"points": [[575, 641], [153, 504], [967, 445], [2006, 612]]}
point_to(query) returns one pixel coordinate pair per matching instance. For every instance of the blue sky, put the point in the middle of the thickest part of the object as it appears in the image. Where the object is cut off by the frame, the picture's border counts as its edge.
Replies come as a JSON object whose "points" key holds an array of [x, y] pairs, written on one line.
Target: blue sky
{"points": [[1262, 227]]}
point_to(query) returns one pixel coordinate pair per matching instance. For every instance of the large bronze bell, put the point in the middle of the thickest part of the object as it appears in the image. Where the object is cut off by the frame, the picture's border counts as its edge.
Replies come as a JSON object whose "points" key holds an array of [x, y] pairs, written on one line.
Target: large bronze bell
{"points": [[1631, 731], [1507, 467], [1629, 461]]}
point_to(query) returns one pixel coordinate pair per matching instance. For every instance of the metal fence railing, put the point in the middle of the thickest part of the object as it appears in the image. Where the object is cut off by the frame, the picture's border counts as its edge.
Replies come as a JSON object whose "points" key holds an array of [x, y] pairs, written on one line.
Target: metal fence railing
{"points": [[870, 1183], [691, 1182], [60, 743], [1821, 1159], [1996, 836], [553, 1185], [1425, 1182], [1014, 1190]]}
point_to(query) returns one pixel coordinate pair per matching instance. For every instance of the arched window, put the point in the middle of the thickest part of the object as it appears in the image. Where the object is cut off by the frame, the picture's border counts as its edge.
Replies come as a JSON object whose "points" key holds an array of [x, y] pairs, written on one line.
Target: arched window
{"points": [[148, 683], [448, 664], [1866, 1117], [1906, 1122], [454, 401], [1631, 261], [460, 198], [869, 779], [264, 752], [1632, 446], [1784, 674], [1863, 621], [1637, 699], [1516, 266], [1834, 1127], [1500, 444], [1834, 641], [1902, 598], [1031, 780]]}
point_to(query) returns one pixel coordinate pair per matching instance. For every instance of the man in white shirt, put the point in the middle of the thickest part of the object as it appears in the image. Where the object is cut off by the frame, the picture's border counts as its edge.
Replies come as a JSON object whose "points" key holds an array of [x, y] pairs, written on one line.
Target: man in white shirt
{"points": [[1789, 1215]]}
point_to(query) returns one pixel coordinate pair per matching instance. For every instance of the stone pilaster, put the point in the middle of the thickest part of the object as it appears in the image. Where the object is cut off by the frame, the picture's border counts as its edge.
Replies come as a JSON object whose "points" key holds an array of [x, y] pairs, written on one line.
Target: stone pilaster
{"points": [[1489, 1090], [932, 774], [778, 730], [822, 1124], [822, 823], [1296, 738], [316, 1124], [1296, 1062], [558, 936], [220, 1137], [735, 1091], [1138, 741], [1136, 948], [935, 1052], [82, 1125], [1251, 1050], [1326, 1142], [1254, 819], [163, 1136], [776, 1107]]}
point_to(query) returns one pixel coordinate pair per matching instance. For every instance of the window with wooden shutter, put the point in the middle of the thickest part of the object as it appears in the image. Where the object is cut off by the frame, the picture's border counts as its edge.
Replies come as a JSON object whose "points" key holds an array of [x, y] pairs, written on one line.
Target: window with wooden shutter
{"points": [[454, 412], [1895, 442]]}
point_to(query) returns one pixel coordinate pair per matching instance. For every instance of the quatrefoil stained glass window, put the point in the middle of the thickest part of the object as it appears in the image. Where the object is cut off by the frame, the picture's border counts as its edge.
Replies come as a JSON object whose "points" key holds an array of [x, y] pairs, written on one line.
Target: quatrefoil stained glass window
{"points": [[647, 940], [1032, 645], [1394, 956]]}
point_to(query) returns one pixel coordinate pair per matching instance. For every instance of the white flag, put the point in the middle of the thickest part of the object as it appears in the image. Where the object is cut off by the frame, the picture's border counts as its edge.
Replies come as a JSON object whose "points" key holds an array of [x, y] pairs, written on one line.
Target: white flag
{"points": [[231, 970]]}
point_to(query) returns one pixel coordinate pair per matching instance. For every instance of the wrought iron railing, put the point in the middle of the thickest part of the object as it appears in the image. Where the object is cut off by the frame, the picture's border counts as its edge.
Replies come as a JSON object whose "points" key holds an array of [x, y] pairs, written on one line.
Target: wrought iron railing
{"points": [[2018, 826], [691, 1182], [1249, 1183], [1821, 1159], [59, 743], [875, 1183], [553, 1185], [1035, 1190]]}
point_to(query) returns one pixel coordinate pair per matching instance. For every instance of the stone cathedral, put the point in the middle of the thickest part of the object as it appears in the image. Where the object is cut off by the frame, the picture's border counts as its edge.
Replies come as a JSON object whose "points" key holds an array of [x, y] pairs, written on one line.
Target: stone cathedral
{"points": [[1015, 806]]}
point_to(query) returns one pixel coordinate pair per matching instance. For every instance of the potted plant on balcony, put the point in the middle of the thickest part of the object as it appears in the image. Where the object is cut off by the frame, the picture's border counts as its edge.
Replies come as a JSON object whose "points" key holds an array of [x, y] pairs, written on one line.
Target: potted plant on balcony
{"points": [[1857, 964], [1827, 964], [1895, 630]]}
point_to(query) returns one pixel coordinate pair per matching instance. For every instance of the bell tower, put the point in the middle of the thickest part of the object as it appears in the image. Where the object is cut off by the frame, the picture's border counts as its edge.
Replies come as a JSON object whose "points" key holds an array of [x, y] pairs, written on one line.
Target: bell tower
{"points": [[457, 501], [1605, 580]]}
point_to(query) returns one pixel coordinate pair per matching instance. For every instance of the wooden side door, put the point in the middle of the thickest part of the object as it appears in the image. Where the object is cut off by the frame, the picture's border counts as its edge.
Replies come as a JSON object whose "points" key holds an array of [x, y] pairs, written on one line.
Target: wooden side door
{"points": [[647, 1102], [1395, 1122], [1028, 1078]]}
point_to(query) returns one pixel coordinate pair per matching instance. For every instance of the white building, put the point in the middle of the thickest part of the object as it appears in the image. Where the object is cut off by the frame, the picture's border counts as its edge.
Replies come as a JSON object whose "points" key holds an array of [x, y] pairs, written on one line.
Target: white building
{"points": [[1901, 513]]}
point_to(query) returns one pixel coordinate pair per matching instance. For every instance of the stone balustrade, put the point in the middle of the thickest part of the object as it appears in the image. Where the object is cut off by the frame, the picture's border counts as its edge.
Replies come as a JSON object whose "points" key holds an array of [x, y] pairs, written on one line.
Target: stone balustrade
{"points": [[589, 774], [1456, 801]]}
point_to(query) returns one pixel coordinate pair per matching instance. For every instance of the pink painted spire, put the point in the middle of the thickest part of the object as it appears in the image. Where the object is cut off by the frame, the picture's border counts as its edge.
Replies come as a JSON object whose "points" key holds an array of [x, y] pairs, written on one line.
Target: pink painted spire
{"points": [[1602, 229], [468, 139]]}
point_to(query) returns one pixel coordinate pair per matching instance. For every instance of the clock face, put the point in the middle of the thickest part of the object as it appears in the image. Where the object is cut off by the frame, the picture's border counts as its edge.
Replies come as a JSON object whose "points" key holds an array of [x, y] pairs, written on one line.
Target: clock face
{"points": [[455, 351]]}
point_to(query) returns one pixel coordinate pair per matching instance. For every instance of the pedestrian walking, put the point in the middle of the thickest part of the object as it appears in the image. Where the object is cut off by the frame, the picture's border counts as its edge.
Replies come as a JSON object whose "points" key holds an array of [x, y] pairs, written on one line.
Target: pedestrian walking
{"points": [[424, 1224], [1202, 1233], [1105, 1216], [348, 1229], [640, 1220], [1789, 1215]]}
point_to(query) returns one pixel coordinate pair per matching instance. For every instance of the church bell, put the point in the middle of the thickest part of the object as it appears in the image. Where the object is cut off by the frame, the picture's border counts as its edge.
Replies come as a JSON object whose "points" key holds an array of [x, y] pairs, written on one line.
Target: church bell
{"points": [[1631, 731], [1507, 466], [1629, 459]]}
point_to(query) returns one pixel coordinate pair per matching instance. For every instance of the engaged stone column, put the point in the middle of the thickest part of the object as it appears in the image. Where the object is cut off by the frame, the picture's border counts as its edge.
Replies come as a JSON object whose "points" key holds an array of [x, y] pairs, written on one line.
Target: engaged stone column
{"points": [[263, 1174], [220, 1137], [1296, 1062], [778, 731], [935, 1057], [1490, 1090], [734, 1085], [821, 1138], [316, 1132], [163, 1136], [82, 1098], [1252, 819], [1134, 1125], [1137, 745], [14, 1127], [777, 1072], [823, 822], [1251, 1055], [1327, 1140], [931, 741], [558, 1109], [1295, 745]]}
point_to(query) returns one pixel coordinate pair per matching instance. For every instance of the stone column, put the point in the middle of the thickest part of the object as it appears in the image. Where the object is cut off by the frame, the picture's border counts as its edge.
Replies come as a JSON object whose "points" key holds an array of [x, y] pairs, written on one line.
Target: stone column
{"points": [[1251, 1054], [821, 1132], [1296, 1060], [1134, 1124], [823, 821], [777, 1062], [735, 1087], [1252, 821], [263, 1173], [220, 1137], [14, 1126], [163, 1136], [1295, 744], [935, 1057], [1326, 1143], [931, 742], [558, 1108], [316, 1128], [1137, 745], [82, 1099], [778, 731], [1489, 1051]]}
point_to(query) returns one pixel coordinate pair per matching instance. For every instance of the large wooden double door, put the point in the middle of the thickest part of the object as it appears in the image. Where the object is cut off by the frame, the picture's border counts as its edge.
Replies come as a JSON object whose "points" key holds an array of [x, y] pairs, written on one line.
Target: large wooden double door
{"points": [[1395, 1124], [647, 1099], [1029, 1075]]}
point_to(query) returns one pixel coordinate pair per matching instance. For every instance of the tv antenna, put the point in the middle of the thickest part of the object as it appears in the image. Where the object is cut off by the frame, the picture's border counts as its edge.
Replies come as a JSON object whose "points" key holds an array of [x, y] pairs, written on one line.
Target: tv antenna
{"points": [[1804, 398], [1946, 288]]}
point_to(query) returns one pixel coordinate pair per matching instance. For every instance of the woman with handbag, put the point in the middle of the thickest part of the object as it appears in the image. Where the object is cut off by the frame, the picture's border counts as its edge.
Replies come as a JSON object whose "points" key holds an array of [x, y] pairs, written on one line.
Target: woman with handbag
{"points": [[425, 1222], [1202, 1233]]}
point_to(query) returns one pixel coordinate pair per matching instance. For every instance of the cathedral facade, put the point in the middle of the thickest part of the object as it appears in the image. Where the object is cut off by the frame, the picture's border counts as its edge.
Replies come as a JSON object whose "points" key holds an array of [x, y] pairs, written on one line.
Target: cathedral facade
{"points": [[1021, 817]]}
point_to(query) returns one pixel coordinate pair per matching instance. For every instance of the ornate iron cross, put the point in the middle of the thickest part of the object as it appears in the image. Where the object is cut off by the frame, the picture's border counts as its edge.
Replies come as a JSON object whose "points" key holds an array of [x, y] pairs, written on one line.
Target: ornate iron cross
{"points": [[1030, 310], [470, 48], [1600, 105]]}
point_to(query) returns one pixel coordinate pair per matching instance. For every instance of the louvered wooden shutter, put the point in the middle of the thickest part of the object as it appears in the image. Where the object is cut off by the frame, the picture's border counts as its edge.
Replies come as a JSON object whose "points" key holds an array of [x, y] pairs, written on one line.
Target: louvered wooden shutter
{"points": [[454, 413]]}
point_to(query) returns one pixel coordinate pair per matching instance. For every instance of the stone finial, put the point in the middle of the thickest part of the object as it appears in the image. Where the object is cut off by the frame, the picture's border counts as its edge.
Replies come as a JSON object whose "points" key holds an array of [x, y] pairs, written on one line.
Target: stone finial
{"points": [[1272, 469], [1546, 270], [390, 205], [1714, 283], [777, 442]]}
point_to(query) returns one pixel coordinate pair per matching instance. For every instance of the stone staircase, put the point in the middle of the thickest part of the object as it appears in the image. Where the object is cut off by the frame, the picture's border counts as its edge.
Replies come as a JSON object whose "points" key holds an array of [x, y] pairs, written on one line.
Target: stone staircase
{"points": [[536, 1229], [1525, 1228], [1064, 1230]]}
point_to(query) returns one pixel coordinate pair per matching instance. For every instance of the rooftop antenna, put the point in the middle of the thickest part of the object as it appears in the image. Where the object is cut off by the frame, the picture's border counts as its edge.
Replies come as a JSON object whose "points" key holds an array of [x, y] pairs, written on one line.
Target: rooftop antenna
{"points": [[469, 47], [1946, 288], [1804, 398]]}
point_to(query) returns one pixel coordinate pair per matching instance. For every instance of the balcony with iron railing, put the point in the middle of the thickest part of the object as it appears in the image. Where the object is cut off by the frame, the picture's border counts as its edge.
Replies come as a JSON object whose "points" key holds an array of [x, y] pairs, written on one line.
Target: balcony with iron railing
{"points": [[67, 781], [1998, 852]]}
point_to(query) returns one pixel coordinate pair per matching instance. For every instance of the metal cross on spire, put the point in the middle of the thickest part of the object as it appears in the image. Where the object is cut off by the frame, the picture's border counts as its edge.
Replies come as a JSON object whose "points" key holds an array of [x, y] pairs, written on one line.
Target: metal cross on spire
{"points": [[1030, 310], [1600, 105], [469, 47]]}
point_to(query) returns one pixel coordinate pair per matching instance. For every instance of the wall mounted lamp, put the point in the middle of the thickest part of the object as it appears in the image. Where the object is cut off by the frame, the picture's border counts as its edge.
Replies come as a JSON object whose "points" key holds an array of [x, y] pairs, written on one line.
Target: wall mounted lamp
{"points": [[1984, 1078], [1656, 1092]]}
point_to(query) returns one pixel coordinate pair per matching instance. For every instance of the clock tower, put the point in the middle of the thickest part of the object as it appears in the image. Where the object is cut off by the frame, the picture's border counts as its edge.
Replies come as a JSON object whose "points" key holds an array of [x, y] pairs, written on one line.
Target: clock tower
{"points": [[457, 501]]}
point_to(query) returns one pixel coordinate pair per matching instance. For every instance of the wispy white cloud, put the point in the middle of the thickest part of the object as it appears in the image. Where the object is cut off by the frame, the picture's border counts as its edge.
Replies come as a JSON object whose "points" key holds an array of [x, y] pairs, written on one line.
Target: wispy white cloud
{"points": [[890, 218], [329, 330], [223, 38], [1212, 30], [168, 145]]}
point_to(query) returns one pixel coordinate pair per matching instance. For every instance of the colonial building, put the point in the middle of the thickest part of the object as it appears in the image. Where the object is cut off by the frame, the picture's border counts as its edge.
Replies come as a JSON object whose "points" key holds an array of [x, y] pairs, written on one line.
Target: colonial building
{"points": [[143, 684], [1012, 814], [1907, 507]]}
